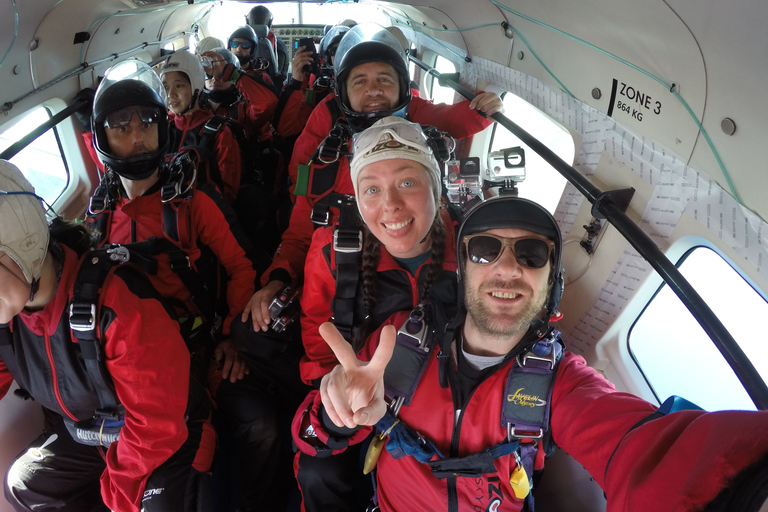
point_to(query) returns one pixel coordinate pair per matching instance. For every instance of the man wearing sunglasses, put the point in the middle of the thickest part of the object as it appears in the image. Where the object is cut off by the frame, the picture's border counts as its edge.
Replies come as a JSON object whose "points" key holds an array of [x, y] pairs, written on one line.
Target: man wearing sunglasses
{"points": [[497, 388]]}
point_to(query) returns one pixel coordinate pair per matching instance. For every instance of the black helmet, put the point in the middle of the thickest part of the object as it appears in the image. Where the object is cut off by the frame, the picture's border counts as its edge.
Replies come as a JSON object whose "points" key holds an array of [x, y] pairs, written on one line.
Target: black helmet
{"points": [[365, 43], [332, 37], [126, 84], [259, 15], [515, 212], [248, 34]]}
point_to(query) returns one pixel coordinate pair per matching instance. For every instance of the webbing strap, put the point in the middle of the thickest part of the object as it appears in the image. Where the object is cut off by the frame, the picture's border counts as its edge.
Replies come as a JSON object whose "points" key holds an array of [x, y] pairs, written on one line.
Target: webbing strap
{"points": [[348, 254], [84, 322]]}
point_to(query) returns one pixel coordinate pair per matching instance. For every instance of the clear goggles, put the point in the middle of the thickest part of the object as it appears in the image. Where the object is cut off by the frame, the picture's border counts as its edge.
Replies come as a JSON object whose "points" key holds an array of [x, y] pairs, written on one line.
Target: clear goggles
{"points": [[400, 134], [123, 116], [530, 252]]}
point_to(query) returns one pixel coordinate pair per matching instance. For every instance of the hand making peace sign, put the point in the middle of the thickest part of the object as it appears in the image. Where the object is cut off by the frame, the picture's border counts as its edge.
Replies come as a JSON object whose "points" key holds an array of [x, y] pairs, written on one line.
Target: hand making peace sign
{"points": [[353, 393]]}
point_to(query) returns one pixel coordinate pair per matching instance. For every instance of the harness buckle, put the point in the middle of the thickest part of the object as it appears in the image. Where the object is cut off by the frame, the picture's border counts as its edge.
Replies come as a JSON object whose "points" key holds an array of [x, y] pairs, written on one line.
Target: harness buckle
{"points": [[82, 316], [97, 204], [415, 328], [550, 359], [119, 254], [347, 242], [179, 264], [323, 155], [524, 434], [320, 217]]}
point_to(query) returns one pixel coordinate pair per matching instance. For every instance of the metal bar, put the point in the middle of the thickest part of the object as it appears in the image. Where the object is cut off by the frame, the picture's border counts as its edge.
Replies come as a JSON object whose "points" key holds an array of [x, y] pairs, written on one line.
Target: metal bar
{"points": [[731, 351], [17, 146]]}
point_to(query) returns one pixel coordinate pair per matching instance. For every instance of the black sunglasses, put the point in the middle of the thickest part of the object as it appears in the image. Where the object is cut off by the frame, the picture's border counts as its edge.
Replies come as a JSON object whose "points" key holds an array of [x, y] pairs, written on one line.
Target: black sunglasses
{"points": [[529, 251], [123, 116], [244, 44]]}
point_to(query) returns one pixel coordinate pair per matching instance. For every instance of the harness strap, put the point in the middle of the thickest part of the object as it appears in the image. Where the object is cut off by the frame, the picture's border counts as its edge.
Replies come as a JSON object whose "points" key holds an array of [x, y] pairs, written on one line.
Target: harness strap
{"points": [[348, 254], [84, 322]]}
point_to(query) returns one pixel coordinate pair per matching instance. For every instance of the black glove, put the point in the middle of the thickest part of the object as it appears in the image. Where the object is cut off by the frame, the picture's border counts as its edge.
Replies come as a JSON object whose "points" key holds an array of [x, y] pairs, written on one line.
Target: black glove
{"points": [[84, 113]]}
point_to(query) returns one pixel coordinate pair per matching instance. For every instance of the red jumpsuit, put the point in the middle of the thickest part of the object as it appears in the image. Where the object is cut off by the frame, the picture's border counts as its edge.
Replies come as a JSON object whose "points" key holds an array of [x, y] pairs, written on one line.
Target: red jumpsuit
{"points": [[153, 389], [678, 462], [458, 120], [396, 289], [211, 226], [257, 109], [225, 149]]}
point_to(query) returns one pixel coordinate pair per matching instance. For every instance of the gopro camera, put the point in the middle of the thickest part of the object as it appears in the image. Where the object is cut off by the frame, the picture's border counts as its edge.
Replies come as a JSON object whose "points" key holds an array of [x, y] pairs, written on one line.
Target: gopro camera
{"points": [[506, 166], [463, 180], [283, 309]]}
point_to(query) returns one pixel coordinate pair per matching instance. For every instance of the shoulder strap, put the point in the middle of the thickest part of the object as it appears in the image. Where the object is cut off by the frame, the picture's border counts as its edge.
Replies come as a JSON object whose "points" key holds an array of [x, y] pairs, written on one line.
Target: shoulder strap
{"points": [[348, 254], [84, 315]]}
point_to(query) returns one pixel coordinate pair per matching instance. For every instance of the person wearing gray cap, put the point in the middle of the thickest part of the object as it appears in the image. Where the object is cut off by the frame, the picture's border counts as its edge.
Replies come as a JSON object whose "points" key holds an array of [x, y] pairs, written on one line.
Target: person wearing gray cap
{"points": [[138, 455], [466, 410]]}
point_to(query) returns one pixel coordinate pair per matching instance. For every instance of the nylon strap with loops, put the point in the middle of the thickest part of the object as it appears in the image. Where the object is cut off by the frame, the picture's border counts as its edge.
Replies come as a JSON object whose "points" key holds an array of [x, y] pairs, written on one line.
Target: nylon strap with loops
{"points": [[84, 322], [348, 254]]}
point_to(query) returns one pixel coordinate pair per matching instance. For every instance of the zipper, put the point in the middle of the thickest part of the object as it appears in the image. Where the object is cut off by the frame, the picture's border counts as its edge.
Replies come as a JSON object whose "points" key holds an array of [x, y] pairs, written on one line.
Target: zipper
{"points": [[55, 378]]}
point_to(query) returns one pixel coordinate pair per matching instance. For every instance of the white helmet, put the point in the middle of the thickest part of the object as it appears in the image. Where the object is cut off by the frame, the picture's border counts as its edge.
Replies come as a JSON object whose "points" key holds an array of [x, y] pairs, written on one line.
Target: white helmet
{"points": [[189, 64], [23, 227]]}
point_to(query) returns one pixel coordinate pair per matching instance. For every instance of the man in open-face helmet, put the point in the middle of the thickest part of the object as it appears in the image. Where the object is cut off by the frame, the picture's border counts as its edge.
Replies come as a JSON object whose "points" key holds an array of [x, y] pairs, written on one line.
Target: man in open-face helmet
{"points": [[467, 424]]}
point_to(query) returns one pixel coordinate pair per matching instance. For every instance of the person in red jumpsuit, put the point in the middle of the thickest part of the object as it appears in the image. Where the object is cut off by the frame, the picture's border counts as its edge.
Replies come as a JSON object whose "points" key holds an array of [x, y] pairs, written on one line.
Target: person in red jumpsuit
{"points": [[153, 455], [183, 78], [371, 83], [408, 256], [452, 447]]}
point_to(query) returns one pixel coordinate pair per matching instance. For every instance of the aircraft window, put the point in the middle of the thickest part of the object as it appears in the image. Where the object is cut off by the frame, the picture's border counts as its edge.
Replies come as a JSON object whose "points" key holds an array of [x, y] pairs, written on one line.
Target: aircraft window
{"points": [[675, 354], [542, 182], [41, 161], [440, 94]]}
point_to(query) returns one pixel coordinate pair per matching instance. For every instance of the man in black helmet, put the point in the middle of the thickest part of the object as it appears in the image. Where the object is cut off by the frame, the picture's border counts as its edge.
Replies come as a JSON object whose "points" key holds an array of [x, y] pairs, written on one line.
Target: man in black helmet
{"points": [[466, 425], [141, 198], [260, 15]]}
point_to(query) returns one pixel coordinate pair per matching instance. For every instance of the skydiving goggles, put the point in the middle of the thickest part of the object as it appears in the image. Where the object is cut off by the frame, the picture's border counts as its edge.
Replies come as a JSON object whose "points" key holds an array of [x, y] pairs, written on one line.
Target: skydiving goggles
{"points": [[401, 134], [529, 251], [246, 45], [123, 116]]}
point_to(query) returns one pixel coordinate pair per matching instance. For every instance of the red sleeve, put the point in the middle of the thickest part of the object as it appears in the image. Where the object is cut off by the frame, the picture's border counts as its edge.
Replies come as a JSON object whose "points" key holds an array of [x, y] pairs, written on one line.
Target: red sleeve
{"points": [[230, 163], [681, 460], [294, 245], [88, 139], [316, 300], [458, 119], [6, 379], [295, 114], [153, 390], [218, 228], [261, 101], [317, 128]]}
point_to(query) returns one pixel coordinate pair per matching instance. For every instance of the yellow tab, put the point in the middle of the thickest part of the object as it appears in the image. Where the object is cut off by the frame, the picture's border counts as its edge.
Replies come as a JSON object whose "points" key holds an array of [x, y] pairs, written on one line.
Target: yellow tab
{"points": [[521, 486], [373, 453]]}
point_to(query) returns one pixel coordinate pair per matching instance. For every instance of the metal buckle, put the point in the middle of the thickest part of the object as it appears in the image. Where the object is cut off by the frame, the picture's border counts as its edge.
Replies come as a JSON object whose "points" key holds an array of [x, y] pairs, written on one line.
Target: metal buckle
{"points": [[321, 150], [417, 315], [511, 434], [320, 218], [82, 317], [180, 264], [348, 248], [119, 254], [548, 359]]}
